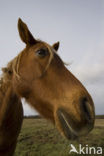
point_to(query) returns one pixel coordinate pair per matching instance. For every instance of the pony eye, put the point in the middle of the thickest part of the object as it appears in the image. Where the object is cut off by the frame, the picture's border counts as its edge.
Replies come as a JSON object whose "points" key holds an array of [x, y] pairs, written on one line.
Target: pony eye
{"points": [[42, 52]]}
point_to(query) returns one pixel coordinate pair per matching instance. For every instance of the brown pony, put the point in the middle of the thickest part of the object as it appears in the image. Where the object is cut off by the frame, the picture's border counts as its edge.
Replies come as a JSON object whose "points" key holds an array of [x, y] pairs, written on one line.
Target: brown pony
{"points": [[40, 76]]}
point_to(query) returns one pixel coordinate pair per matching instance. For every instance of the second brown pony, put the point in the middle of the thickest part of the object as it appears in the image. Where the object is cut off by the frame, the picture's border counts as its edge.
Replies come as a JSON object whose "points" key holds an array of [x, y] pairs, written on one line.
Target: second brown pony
{"points": [[40, 76]]}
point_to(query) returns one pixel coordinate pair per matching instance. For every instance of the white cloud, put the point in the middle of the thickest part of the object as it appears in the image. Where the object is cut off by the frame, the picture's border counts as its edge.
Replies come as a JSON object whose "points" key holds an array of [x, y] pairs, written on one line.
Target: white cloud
{"points": [[90, 74]]}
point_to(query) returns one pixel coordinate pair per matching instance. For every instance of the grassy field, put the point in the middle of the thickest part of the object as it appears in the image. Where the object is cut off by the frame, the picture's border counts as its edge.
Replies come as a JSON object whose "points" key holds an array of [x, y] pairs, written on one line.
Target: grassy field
{"points": [[39, 137]]}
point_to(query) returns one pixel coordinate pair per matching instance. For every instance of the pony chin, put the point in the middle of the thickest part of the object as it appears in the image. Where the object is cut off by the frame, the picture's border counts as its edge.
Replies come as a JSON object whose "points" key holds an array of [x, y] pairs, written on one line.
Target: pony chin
{"points": [[68, 134]]}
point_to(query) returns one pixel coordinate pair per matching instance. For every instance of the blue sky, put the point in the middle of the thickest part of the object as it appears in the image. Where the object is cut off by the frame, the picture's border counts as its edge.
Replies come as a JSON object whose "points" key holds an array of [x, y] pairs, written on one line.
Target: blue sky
{"points": [[77, 24]]}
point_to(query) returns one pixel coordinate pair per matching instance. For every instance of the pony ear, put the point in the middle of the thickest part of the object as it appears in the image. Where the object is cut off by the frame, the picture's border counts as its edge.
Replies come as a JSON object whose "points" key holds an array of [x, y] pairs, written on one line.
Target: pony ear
{"points": [[24, 33], [56, 45]]}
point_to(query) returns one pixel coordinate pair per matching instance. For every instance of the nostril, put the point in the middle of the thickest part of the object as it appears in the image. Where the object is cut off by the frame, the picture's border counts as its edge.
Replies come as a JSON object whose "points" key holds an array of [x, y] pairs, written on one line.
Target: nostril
{"points": [[86, 109]]}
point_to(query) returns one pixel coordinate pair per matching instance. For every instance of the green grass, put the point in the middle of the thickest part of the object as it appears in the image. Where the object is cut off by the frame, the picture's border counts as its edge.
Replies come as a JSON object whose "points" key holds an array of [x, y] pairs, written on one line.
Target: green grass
{"points": [[39, 137]]}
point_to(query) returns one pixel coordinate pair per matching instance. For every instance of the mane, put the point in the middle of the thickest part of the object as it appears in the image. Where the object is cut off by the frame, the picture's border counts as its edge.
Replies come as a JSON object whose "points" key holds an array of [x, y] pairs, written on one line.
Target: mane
{"points": [[7, 72]]}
